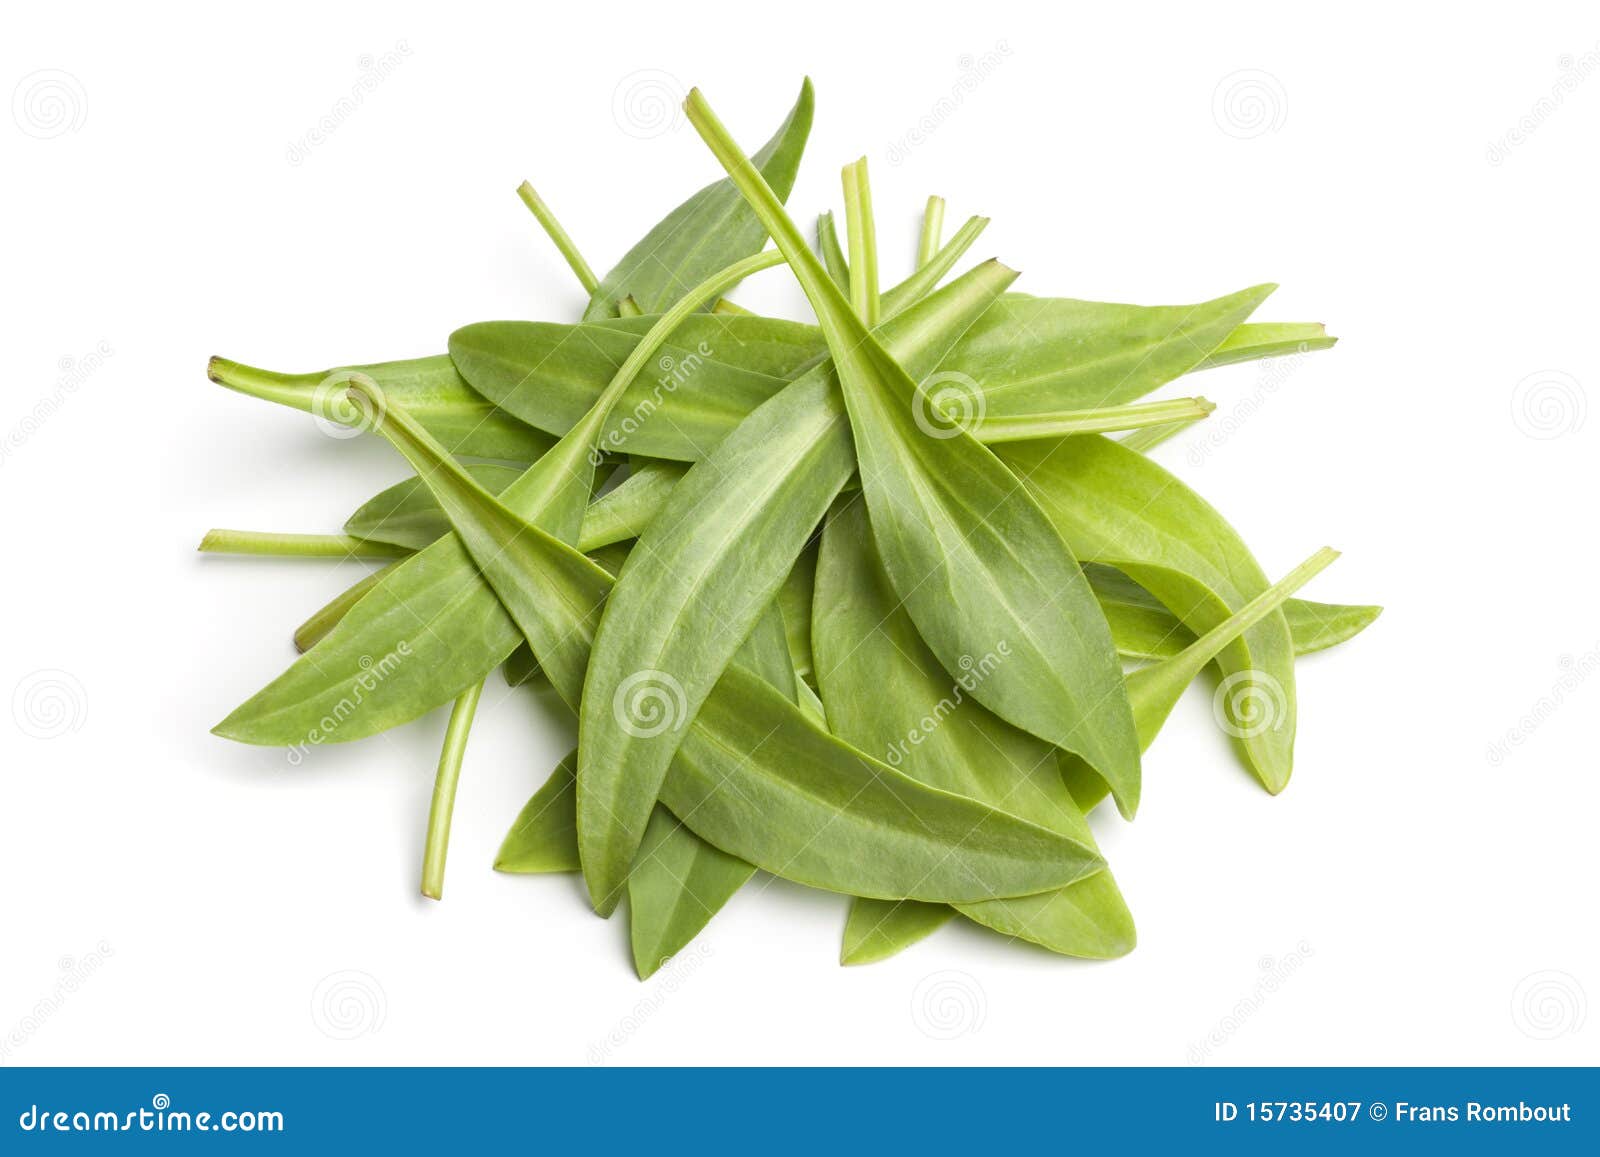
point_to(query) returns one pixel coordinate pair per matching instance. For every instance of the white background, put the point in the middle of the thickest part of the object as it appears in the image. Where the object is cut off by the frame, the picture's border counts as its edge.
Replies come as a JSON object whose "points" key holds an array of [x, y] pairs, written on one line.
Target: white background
{"points": [[171, 897]]}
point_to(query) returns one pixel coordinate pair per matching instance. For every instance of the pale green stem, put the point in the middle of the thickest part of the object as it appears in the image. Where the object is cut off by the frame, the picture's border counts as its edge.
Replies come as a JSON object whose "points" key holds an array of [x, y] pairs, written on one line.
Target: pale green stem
{"points": [[628, 307], [297, 545], [557, 234], [732, 308], [861, 235], [833, 259], [932, 230], [437, 845], [922, 282], [1096, 421]]}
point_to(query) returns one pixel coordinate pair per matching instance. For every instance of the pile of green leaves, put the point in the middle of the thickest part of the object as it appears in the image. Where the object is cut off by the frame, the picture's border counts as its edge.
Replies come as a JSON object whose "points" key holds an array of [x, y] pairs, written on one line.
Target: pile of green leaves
{"points": [[874, 604]]}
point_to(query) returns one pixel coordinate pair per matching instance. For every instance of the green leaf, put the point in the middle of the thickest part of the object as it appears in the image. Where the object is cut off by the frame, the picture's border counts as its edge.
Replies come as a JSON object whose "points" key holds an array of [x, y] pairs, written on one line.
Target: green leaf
{"points": [[877, 929], [714, 559], [708, 232], [1267, 340], [1144, 629], [755, 776], [977, 562], [885, 692], [544, 837], [677, 884], [1117, 507], [405, 514], [462, 420]]}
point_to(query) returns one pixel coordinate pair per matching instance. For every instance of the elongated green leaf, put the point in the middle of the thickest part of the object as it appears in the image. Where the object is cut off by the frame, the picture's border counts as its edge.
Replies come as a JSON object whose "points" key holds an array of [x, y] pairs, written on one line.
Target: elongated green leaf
{"points": [[405, 514], [544, 837], [1118, 507], [832, 255], [877, 929], [313, 630], [755, 776], [1144, 629], [709, 231], [1267, 340], [630, 507], [1039, 355], [886, 692], [1155, 689], [714, 371], [437, 627], [713, 560], [978, 563], [460, 418]]}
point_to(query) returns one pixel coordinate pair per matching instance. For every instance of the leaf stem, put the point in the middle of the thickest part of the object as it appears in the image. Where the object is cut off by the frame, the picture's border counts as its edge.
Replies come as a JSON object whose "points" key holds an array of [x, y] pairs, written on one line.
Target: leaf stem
{"points": [[1148, 438], [437, 844], [559, 235], [294, 390], [932, 230], [861, 235], [222, 541], [921, 283], [833, 258], [1096, 421]]}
